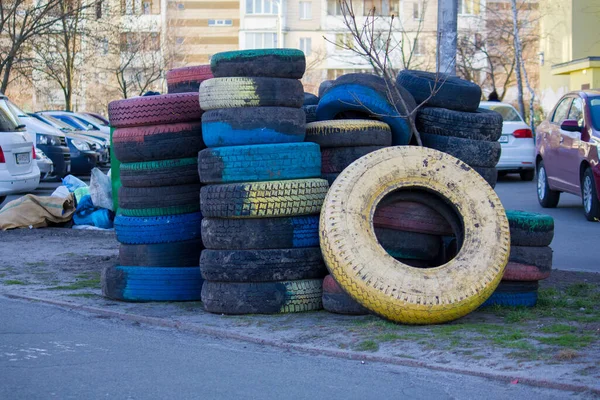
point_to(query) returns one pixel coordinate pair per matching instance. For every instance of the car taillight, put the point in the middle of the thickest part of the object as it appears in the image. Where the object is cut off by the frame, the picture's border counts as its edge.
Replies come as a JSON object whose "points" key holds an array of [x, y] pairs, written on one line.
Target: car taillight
{"points": [[523, 133], [2, 159], [33, 154]]}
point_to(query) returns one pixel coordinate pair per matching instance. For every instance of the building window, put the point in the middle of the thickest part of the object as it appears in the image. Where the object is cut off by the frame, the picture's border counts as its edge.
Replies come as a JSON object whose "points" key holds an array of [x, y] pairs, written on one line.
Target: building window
{"points": [[305, 10], [220, 22], [147, 7], [305, 46], [417, 47], [417, 10], [180, 6], [468, 7], [380, 8], [154, 42], [99, 9], [104, 46], [261, 40], [344, 41], [179, 40], [269, 7], [334, 7]]}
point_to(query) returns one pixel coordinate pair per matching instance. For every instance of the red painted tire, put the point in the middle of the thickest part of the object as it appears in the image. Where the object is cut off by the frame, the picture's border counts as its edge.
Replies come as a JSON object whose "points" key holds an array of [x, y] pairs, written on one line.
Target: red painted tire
{"points": [[412, 217], [187, 79], [154, 110], [335, 300], [523, 272]]}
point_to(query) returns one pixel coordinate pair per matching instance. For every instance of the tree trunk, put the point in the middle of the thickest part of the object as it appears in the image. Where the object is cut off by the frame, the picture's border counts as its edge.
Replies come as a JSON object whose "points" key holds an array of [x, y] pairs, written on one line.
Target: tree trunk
{"points": [[518, 59]]}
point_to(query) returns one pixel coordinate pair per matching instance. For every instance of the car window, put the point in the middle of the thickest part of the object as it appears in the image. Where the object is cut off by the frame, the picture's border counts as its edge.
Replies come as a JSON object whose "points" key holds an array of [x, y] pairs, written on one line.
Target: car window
{"points": [[8, 121], [576, 111], [508, 113], [595, 111], [561, 111], [70, 121], [86, 123]]}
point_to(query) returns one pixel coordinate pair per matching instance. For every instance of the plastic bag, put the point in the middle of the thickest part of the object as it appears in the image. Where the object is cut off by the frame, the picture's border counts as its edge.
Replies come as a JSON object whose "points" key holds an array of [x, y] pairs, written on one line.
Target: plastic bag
{"points": [[61, 192], [80, 192], [87, 214], [101, 190], [72, 183]]}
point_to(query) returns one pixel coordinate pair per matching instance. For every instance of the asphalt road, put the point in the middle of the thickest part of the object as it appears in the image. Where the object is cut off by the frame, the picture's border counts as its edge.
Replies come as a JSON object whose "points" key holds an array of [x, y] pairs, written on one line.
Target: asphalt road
{"points": [[47, 352]]}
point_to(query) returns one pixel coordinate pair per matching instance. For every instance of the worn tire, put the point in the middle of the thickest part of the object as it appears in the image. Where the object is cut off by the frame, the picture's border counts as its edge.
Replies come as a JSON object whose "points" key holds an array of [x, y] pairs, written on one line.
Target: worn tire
{"points": [[310, 99], [530, 229], [262, 162], [324, 86], [253, 125], [514, 294], [475, 153], [157, 201], [330, 178], [269, 265], [147, 230], [264, 199], [154, 110], [158, 142], [310, 113], [409, 245], [263, 297], [274, 63], [335, 300], [394, 290], [479, 125], [141, 284], [175, 254], [523, 272], [260, 233], [452, 92], [250, 92], [183, 171], [187, 79], [490, 175], [335, 159], [541, 257], [411, 216], [344, 133]]}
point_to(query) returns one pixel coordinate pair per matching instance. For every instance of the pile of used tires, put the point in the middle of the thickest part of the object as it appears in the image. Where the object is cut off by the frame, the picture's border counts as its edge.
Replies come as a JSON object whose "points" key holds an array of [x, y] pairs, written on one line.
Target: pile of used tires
{"points": [[263, 193], [157, 139]]}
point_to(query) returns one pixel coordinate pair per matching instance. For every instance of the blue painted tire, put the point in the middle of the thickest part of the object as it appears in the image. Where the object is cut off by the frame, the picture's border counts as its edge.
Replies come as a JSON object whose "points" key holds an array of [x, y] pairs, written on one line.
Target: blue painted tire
{"points": [[355, 97], [525, 299], [263, 162], [141, 284], [253, 125], [169, 228]]}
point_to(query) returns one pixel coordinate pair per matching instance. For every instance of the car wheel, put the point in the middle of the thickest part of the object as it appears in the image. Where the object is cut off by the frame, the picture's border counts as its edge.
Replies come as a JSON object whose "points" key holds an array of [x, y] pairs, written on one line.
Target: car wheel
{"points": [[527, 175], [547, 197], [591, 205]]}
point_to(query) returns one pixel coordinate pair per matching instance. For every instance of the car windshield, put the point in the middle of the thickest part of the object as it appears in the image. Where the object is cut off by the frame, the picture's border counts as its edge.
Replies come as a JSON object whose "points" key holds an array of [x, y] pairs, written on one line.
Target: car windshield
{"points": [[94, 120], [86, 122], [8, 120], [595, 111], [20, 113], [57, 123], [508, 113]]}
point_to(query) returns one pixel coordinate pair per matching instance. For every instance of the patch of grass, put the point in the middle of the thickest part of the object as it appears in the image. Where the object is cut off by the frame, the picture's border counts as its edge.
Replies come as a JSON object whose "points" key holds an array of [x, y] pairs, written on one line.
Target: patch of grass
{"points": [[82, 284], [83, 276], [2, 275], [569, 340], [36, 264], [367, 345], [526, 355], [506, 338], [375, 323], [14, 282], [70, 254], [557, 328], [84, 295], [579, 289], [518, 314], [388, 337]]}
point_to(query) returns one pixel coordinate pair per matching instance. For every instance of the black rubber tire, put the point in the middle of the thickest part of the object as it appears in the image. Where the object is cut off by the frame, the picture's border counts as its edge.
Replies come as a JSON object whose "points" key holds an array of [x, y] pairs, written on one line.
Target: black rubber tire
{"points": [[551, 197], [182, 171], [158, 142], [409, 245], [517, 286], [264, 199], [541, 257], [262, 298], [489, 174], [335, 300], [259, 162], [324, 86], [336, 159], [378, 83], [269, 265], [260, 233], [310, 112], [479, 125], [530, 229], [250, 92], [275, 63], [176, 254], [593, 214], [476, 153], [164, 200], [310, 99], [451, 92], [342, 133]]}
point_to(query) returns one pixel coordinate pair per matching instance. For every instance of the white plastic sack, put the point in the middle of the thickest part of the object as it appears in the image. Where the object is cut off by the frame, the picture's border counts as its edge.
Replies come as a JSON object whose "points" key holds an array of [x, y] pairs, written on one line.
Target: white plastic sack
{"points": [[61, 192], [101, 190]]}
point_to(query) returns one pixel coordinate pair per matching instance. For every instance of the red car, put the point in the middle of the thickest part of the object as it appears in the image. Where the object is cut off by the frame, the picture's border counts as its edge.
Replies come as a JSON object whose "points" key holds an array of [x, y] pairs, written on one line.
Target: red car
{"points": [[567, 152]]}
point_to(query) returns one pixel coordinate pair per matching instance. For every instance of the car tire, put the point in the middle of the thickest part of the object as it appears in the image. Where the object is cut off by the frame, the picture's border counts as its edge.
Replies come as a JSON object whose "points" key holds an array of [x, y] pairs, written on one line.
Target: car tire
{"points": [[183, 171], [475, 153], [541, 257], [174, 254], [310, 113], [310, 99], [187, 79], [547, 197], [353, 132], [490, 175], [479, 125], [336, 301], [530, 229], [157, 201], [589, 195], [273, 63], [263, 162], [336, 159], [263, 297], [148, 230], [524, 272], [324, 87], [250, 92], [514, 294], [527, 175], [409, 245], [411, 216]]}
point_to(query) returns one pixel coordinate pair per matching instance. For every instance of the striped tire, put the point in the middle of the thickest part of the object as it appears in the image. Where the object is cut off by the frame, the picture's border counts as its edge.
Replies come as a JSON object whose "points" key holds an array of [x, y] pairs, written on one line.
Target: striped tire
{"points": [[253, 125], [260, 233], [174, 254], [335, 300], [264, 199], [141, 284], [154, 110], [263, 297], [147, 230], [530, 229], [261, 162], [275, 63], [157, 201], [187, 79], [183, 171], [157, 142], [250, 92], [349, 132]]}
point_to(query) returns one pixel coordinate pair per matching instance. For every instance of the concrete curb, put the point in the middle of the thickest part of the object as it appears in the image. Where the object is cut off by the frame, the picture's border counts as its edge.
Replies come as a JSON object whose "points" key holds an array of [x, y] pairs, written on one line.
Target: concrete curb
{"points": [[349, 355]]}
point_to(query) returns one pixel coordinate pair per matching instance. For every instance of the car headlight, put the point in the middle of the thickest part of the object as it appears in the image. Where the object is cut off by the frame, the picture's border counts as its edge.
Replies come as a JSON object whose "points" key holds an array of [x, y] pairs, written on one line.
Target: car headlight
{"points": [[47, 139], [81, 146], [41, 139]]}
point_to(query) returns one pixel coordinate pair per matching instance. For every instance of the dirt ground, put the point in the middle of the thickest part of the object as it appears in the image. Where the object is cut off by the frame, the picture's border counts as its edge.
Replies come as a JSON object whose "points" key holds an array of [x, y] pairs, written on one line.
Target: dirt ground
{"points": [[557, 341]]}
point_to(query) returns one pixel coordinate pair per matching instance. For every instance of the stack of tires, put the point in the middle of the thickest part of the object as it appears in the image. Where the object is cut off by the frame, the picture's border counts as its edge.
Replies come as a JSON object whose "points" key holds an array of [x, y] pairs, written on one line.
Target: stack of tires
{"points": [[452, 122], [187, 79], [157, 139], [530, 259], [261, 200]]}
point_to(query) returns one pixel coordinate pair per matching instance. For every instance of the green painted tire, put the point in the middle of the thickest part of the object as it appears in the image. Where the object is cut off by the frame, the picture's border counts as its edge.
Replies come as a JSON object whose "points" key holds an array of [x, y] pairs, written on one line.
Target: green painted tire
{"points": [[274, 63], [530, 229], [183, 171]]}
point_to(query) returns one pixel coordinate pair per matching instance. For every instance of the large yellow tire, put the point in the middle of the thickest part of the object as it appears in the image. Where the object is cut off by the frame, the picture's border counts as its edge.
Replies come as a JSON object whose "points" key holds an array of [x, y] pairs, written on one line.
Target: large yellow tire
{"points": [[388, 287]]}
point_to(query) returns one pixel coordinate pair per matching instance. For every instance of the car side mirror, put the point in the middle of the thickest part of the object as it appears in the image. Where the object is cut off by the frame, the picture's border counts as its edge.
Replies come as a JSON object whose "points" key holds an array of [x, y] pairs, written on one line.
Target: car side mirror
{"points": [[570, 125]]}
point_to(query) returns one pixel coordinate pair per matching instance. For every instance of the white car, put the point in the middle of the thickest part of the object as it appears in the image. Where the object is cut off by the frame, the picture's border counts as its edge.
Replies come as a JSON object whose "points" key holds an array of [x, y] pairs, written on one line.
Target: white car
{"points": [[44, 163], [518, 146], [18, 169]]}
